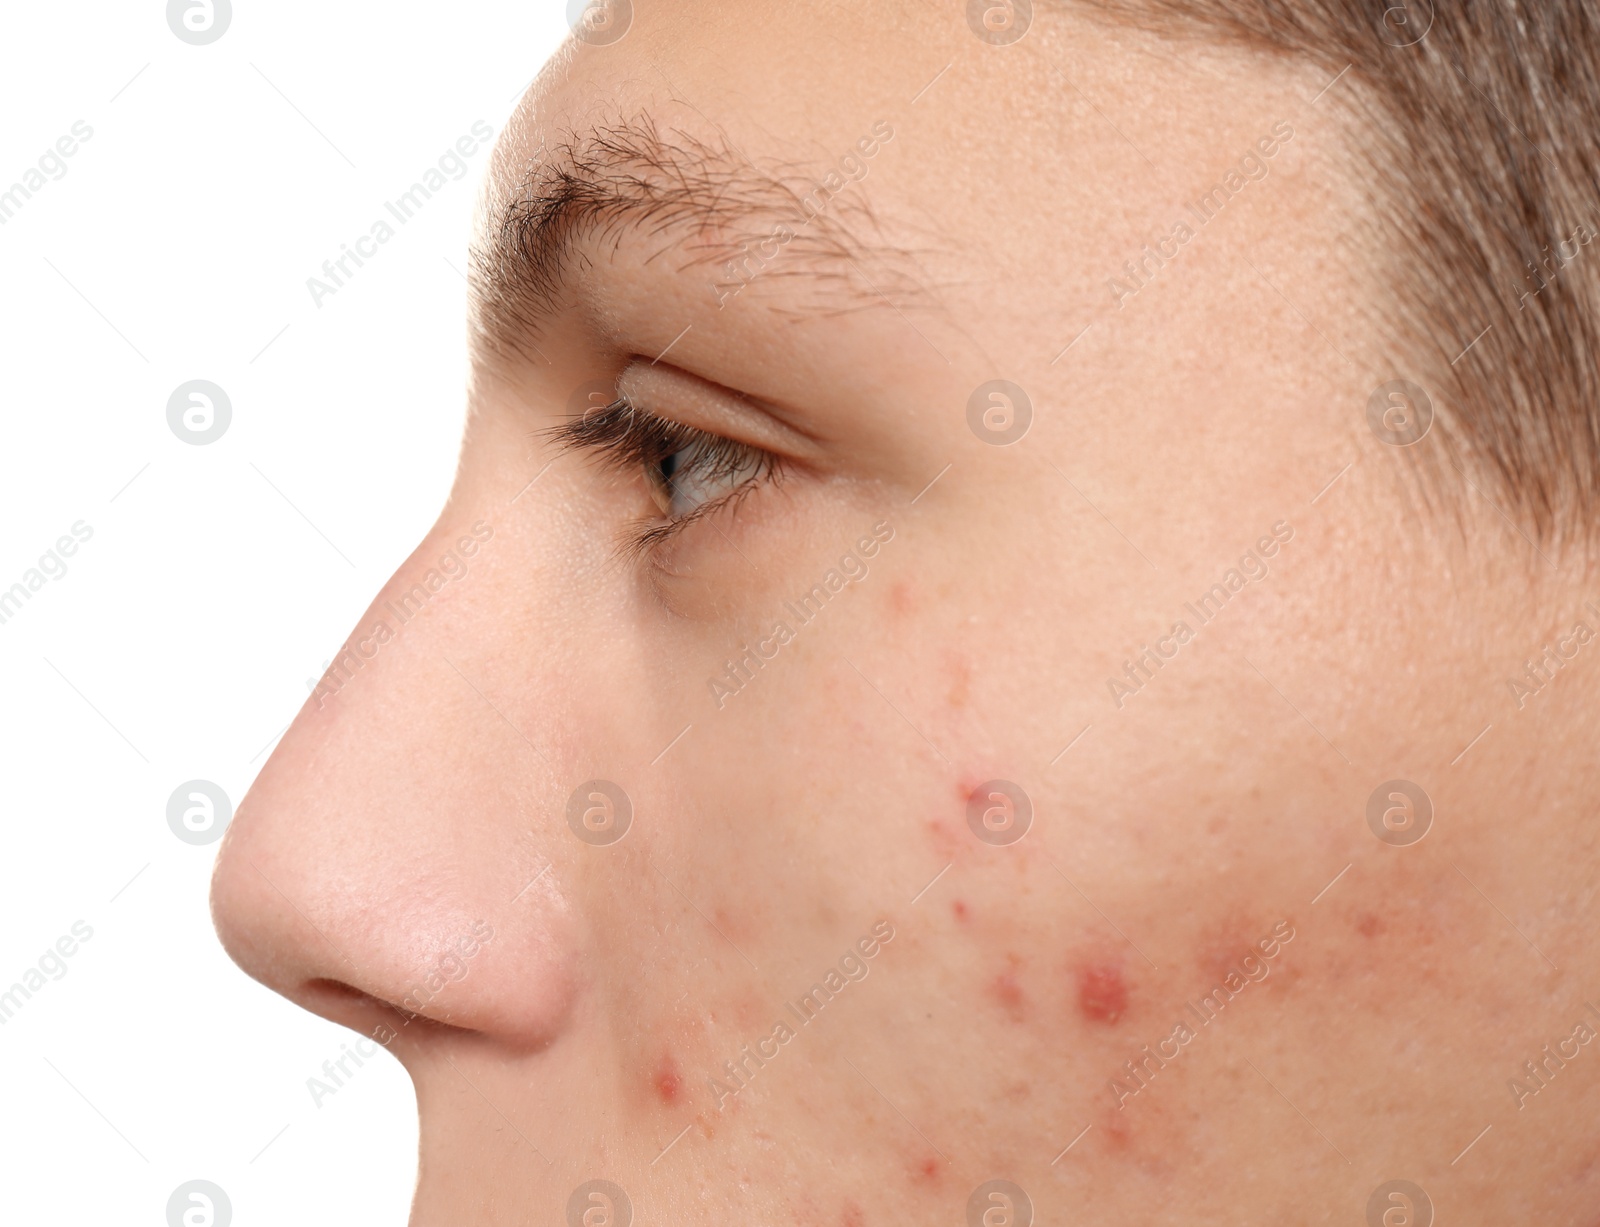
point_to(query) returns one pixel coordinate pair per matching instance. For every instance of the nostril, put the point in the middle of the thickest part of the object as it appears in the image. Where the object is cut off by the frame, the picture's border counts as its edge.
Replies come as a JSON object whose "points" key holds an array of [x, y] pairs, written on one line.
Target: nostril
{"points": [[361, 1011], [336, 990]]}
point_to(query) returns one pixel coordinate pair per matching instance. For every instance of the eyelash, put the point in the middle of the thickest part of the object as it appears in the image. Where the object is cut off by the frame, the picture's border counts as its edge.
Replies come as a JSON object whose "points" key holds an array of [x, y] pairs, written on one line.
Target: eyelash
{"points": [[629, 439]]}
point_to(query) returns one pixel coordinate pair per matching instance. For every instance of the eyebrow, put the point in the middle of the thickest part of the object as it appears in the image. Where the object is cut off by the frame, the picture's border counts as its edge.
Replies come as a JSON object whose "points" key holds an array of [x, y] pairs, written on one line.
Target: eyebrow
{"points": [[700, 198]]}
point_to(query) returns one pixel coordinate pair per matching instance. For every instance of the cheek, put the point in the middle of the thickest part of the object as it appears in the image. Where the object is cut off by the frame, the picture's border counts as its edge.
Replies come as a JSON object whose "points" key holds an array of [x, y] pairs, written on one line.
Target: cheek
{"points": [[958, 680], [1393, 929], [902, 600]]}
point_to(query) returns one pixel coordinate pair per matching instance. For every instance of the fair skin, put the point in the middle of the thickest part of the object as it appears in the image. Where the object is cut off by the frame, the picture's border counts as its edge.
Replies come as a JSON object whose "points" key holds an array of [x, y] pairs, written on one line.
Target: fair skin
{"points": [[1178, 835]]}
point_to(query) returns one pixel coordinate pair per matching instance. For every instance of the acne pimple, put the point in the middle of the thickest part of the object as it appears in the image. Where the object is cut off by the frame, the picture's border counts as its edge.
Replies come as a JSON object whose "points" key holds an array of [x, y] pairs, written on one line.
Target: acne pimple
{"points": [[1369, 926], [970, 788], [1008, 992], [960, 909], [667, 1081], [1102, 992], [928, 1170], [1119, 1133]]}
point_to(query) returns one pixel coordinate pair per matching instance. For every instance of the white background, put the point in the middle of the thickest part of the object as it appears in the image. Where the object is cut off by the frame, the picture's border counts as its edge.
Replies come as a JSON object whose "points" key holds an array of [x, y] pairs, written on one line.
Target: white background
{"points": [[219, 578]]}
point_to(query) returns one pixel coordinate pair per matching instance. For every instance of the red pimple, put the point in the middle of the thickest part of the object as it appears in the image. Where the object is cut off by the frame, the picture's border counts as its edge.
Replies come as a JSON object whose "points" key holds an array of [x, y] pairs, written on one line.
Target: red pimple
{"points": [[1102, 992], [960, 909], [1121, 1136], [928, 1169], [1009, 994], [668, 1083], [852, 1216], [973, 789]]}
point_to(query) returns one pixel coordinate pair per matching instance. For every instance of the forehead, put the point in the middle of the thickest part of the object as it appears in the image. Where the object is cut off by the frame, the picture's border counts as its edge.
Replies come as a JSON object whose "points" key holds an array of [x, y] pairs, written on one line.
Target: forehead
{"points": [[992, 178]]}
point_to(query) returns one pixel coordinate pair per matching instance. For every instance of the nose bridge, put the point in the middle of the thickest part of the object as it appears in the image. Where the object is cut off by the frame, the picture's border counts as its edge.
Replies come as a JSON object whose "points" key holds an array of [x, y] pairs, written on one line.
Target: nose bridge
{"points": [[435, 577], [393, 844]]}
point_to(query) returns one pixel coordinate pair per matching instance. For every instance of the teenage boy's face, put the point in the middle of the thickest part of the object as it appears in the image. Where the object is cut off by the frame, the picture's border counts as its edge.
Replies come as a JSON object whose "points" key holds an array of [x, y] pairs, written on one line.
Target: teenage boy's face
{"points": [[989, 632]]}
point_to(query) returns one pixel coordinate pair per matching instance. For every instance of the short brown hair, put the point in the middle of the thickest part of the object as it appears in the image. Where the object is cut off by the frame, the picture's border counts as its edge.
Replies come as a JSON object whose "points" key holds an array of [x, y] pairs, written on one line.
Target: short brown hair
{"points": [[1481, 123]]}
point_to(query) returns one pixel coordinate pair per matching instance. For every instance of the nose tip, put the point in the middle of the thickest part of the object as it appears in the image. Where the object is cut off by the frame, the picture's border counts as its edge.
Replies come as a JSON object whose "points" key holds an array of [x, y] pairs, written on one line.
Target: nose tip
{"points": [[384, 868], [380, 961]]}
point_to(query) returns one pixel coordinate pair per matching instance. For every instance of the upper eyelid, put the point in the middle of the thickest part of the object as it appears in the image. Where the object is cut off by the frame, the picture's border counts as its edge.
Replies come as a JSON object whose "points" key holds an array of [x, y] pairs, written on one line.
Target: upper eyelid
{"points": [[643, 435], [698, 398]]}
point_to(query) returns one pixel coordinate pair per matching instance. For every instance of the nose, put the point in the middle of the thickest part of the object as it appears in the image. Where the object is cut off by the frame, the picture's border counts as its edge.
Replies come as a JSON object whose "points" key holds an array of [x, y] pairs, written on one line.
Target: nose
{"points": [[388, 869]]}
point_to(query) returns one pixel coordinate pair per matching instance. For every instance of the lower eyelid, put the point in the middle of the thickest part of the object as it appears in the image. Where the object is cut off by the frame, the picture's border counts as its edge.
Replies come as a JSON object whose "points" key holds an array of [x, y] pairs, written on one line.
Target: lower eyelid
{"points": [[645, 538], [740, 468]]}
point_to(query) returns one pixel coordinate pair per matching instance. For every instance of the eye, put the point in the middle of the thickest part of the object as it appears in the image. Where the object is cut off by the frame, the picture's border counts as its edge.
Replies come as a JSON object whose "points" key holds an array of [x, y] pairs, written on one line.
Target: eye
{"points": [[701, 474], [688, 472]]}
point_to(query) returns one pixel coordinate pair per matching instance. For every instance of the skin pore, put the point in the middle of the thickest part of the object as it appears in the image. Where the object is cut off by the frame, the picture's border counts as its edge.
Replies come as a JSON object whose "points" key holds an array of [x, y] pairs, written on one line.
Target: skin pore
{"points": [[988, 612]]}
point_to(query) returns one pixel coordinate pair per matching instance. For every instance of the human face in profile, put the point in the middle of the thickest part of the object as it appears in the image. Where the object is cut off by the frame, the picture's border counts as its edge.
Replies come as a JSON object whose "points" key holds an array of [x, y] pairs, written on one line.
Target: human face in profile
{"points": [[895, 698]]}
